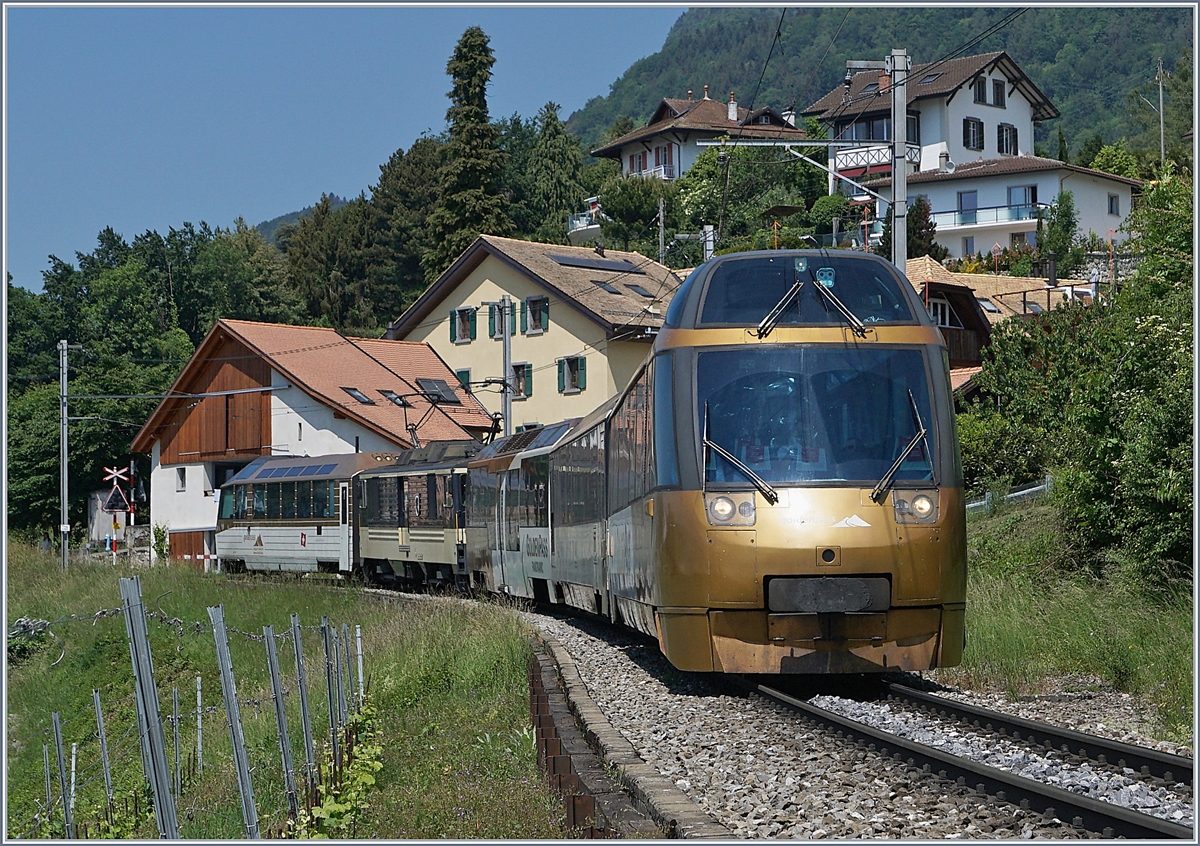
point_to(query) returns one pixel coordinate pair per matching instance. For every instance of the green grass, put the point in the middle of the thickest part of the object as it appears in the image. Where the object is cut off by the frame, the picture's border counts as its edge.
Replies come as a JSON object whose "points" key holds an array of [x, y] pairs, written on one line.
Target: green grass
{"points": [[1034, 611], [448, 681]]}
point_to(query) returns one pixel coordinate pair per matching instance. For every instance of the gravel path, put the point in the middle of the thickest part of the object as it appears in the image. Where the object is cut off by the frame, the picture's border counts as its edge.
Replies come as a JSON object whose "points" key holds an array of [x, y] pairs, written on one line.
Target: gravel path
{"points": [[763, 773]]}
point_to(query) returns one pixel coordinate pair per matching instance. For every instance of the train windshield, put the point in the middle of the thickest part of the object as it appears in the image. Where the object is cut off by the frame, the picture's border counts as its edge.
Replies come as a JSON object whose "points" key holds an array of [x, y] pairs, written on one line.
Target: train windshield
{"points": [[815, 414], [743, 292]]}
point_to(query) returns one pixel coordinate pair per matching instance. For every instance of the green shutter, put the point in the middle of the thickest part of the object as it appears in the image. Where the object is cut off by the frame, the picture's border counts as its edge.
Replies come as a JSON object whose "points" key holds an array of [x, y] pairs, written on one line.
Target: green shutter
{"points": [[545, 313], [512, 319], [528, 380], [491, 321], [582, 373], [562, 375], [473, 313], [524, 317], [453, 326], [464, 378]]}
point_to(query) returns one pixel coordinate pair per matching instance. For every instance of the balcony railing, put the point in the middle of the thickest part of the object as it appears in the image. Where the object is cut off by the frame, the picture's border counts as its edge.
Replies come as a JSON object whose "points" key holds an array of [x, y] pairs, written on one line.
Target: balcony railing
{"points": [[583, 220], [879, 153], [985, 216], [663, 172]]}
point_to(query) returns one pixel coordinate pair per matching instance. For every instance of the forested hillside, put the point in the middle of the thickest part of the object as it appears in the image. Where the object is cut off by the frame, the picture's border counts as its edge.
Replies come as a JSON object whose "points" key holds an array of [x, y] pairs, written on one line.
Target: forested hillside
{"points": [[1090, 62]]}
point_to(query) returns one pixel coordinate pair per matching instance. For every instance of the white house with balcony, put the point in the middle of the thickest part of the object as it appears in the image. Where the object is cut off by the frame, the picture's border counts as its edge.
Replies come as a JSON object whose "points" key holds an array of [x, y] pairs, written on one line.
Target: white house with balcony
{"points": [[970, 127], [993, 203], [666, 146]]}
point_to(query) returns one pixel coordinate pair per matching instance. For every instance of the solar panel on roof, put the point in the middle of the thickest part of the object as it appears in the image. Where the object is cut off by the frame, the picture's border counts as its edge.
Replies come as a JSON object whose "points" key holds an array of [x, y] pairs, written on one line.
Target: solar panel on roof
{"points": [[326, 468], [266, 471], [616, 265], [295, 471], [312, 469]]}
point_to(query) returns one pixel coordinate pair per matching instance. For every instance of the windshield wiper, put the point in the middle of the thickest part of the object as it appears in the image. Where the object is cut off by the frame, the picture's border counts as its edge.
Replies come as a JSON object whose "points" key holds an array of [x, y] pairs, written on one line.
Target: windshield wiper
{"points": [[881, 489], [856, 325], [774, 315], [768, 492]]}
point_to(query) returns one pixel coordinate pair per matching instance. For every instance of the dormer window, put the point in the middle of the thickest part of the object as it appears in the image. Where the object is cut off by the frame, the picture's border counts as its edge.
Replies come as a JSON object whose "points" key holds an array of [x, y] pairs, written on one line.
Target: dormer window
{"points": [[359, 395], [943, 314]]}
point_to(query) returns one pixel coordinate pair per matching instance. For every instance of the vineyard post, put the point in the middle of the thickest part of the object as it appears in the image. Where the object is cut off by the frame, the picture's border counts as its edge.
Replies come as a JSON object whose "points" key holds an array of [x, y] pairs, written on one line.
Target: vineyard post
{"points": [[108, 787], [353, 696], [233, 711], [362, 691], [199, 729], [341, 682], [285, 746], [68, 823], [175, 724], [330, 688], [74, 754], [302, 685], [49, 793]]}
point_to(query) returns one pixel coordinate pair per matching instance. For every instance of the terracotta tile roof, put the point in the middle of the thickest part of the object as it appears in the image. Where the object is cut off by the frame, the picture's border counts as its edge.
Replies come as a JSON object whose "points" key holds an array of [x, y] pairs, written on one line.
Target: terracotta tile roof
{"points": [[321, 363], [710, 116], [925, 269], [1002, 167], [601, 287], [1009, 294], [960, 376], [944, 78]]}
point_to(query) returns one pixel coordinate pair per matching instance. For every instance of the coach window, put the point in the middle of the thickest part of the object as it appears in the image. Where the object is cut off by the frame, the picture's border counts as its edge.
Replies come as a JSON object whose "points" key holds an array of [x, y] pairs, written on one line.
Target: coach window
{"points": [[260, 500], [287, 497], [321, 506], [304, 499], [273, 501]]}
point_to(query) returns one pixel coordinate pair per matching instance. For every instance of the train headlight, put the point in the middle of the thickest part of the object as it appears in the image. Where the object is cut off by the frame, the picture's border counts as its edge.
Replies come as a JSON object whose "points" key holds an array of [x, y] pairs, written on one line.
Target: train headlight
{"points": [[915, 506], [721, 509], [730, 509]]}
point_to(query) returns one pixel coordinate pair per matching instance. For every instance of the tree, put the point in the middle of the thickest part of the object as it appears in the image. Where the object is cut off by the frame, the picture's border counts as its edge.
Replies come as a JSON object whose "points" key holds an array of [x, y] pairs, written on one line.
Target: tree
{"points": [[554, 172], [630, 206], [1064, 152], [1087, 152], [1116, 159], [1060, 234], [470, 203], [922, 232]]}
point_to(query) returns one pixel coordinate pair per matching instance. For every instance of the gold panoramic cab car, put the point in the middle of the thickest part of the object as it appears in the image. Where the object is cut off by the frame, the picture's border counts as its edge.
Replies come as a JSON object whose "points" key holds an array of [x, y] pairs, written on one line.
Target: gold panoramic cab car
{"points": [[785, 489]]}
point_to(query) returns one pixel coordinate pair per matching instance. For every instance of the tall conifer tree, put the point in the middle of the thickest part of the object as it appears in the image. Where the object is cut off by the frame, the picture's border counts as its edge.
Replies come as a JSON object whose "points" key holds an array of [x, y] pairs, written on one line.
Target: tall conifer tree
{"points": [[554, 168], [470, 203]]}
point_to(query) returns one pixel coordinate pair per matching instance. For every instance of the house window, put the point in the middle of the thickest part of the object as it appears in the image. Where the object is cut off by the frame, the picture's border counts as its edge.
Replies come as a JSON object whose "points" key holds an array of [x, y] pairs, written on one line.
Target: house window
{"points": [[1006, 139], [181, 479], [943, 314], [1114, 204], [973, 133], [299, 431], [968, 202], [968, 246], [535, 315], [463, 377], [572, 374], [870, 88], [928, 78], [1022, 196], [998, 93], [1019, 239], [496, 326], [522, 380], [981, 90], [359, 395], [462, 325], [912, 127]]}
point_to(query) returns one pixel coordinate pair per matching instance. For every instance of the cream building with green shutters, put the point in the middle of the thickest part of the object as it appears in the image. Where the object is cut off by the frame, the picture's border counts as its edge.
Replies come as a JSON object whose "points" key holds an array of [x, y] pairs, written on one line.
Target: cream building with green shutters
{"points": [[581, 323]]}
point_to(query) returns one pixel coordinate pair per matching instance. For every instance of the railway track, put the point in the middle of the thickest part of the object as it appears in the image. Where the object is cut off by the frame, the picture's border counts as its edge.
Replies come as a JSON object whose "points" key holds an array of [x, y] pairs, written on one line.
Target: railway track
{"points": [[955, 772]]}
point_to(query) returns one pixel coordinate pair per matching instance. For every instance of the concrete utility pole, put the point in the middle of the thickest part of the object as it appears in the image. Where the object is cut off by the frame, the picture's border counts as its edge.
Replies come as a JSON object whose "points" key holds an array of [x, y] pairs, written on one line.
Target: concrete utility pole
{"points": [[1162, 135], [64, 527], [898, 65]]}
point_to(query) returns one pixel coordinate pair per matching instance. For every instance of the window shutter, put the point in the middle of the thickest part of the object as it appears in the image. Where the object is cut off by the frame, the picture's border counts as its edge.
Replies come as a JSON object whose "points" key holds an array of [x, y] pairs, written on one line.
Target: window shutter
{"points": [[512, 319], [528, 380], [999, 139], [562, 375], [967, 133], [545, 313], [453, 326], [1016, 148], [524, 317], [491, 321], [474, 311], [582, 372]]}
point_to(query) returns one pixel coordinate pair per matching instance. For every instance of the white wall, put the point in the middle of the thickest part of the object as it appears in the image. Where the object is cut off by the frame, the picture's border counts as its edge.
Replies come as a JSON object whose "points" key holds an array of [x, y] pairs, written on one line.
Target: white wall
{"points": [[1016, 111], [188, 510]]}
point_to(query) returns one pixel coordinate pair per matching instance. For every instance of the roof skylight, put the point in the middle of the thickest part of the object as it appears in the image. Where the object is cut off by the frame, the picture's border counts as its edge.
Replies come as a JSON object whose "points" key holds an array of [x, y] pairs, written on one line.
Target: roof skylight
{"points": [[359, 395]]}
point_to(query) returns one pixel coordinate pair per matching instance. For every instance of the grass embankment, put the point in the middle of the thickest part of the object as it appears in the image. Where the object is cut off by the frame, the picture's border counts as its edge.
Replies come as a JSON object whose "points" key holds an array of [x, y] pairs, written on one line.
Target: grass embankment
{"points": [[1033, 612], [447, 682]]}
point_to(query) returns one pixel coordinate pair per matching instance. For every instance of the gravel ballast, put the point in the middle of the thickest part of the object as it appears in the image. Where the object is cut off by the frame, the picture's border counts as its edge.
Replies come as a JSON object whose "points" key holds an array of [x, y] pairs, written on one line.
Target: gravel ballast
{"points": [[764, 773]]}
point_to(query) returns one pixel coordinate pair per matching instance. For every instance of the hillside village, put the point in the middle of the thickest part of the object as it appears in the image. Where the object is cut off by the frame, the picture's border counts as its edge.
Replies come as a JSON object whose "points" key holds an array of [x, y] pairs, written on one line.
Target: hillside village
{"points": [[585, 289]]}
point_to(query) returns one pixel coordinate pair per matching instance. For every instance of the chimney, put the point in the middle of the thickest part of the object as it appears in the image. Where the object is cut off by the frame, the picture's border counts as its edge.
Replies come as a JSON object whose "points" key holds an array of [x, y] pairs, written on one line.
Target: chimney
{"points": [[885, 82], [689, 95], [706, 92], [943, 162], [732, 115], [789, 117]]}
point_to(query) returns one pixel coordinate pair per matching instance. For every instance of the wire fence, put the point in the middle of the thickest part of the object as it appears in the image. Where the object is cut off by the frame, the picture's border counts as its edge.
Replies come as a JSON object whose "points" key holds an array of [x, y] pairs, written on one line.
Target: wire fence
{"points": [[156, 749]]}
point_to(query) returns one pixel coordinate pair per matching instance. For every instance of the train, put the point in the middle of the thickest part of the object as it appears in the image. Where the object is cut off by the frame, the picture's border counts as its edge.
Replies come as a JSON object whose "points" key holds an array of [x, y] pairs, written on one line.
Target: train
{"points": [[778, 489]]}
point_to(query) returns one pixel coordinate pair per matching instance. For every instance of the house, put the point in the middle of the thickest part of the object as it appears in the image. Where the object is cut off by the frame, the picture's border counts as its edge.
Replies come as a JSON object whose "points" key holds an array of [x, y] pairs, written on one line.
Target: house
{"points": [[582, 323], [255, 389], [990, 204], [666, 146], [952, 304], [970, 132]]}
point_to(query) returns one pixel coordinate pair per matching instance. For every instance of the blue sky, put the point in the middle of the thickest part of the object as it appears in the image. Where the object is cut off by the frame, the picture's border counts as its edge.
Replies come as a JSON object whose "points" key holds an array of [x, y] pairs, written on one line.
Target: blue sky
{"points": [[146, 118]]}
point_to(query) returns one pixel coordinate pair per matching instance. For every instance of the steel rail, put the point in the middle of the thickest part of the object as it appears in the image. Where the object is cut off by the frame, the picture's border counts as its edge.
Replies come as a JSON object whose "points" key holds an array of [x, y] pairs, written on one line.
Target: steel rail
{"points": [[1105, 818], [1150, 762]]}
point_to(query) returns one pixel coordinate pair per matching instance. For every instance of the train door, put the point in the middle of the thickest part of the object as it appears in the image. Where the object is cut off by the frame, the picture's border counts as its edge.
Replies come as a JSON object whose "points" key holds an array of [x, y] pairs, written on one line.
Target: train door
{"points": [[345, 549]]}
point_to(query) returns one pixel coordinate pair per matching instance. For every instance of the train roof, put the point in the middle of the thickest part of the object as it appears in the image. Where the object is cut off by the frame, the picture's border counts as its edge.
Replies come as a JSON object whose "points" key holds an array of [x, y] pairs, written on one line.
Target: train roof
{"points": [[309, 468], [436, 455], [543, 437]]}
